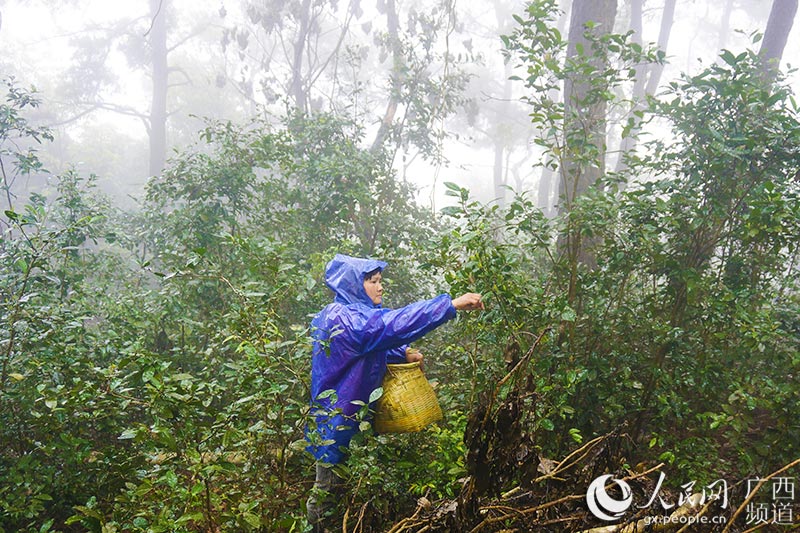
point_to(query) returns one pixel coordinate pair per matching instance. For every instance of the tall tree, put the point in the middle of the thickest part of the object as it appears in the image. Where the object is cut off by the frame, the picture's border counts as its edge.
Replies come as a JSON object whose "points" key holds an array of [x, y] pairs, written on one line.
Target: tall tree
{"points": [[781, 19], [94, 82], [297, 88], [636, 26], [667, 20], [396, 75], [496, 120], [584, 109], [548, 181], [158, 109], [502, 140], [596, 62], [314, 52], [648, 76], [725, 25], [503, 131]]}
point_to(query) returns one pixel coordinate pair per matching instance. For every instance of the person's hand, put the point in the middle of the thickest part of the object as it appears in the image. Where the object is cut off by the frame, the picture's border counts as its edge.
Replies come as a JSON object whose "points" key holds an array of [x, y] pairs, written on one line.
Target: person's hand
{"points": [[413, 355], [468, 302]]}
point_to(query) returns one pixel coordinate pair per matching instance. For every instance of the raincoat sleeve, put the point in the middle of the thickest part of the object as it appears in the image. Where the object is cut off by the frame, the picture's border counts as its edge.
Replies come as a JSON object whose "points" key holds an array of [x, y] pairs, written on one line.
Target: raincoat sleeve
{"points": [[385, 329], [396, 355]]}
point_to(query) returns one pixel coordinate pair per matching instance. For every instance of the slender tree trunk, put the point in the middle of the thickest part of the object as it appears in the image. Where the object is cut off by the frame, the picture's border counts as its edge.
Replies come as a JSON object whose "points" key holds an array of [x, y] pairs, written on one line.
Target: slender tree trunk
{"points": [[585, 131], [502, 140], [781, 19], [587, 120], [667, 19], [647, 78], [725, 25], [393, 27], [628, 143], [545, 195], [641, 70], [297, 90], [158, 107], [548, 180]]}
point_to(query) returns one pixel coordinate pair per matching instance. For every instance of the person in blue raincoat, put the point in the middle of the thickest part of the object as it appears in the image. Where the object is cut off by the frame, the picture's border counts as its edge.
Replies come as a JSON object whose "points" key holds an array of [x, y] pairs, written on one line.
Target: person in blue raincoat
{"points": [[354, 339]]}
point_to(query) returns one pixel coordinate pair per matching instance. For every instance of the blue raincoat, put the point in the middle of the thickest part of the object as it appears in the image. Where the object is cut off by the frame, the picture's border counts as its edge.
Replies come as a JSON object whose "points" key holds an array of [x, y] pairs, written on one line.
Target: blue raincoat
{"points": [[354, 339]]}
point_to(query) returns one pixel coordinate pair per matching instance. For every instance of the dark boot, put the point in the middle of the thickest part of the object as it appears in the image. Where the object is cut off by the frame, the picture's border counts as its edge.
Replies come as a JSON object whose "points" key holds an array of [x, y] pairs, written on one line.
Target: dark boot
{"points": [[326, 491]]}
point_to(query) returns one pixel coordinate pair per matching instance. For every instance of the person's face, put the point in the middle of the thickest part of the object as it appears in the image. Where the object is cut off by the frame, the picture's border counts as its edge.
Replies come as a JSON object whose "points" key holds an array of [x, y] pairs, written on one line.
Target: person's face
{"points": [[374, 287]]}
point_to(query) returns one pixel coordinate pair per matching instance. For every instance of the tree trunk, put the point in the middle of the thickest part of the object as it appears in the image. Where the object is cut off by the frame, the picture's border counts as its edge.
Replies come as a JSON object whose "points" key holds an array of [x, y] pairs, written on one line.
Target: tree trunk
{"points": [[158, 107], [393, 27], [628, 143], [781, 19], [641, 70], [584, 118], [502, 140], [545, 196], [297, 89], [725, 25], [667, 18], [647, 78], [585, 136]]}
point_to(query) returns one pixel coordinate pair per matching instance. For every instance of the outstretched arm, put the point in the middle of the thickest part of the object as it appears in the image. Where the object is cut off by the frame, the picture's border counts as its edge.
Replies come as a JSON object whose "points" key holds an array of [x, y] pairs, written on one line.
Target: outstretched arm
{"points": [[389, 329]]}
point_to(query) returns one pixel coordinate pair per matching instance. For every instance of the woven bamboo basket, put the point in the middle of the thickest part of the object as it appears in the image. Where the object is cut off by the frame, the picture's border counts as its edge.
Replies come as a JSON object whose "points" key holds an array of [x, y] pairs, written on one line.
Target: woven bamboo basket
{"points": [[408, 403]]}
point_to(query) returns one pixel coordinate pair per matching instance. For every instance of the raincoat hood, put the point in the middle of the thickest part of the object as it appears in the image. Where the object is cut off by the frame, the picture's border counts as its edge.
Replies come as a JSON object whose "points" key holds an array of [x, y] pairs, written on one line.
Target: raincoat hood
{"points": [[345, 277]]}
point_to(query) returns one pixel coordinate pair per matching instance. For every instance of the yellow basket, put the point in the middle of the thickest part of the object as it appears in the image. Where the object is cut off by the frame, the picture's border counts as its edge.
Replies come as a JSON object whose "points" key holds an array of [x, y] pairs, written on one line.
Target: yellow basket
{"points": [[408, 403]]}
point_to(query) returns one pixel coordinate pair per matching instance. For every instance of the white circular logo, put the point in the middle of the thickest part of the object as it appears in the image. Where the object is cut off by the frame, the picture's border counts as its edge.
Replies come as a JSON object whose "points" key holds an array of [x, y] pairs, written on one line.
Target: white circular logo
{"points": [[604, 506]]}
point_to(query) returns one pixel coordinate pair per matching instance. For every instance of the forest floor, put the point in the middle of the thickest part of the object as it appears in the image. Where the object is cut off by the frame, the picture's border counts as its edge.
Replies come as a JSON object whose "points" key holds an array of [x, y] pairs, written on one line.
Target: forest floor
{"points": [[591, 490], [557, 500]]}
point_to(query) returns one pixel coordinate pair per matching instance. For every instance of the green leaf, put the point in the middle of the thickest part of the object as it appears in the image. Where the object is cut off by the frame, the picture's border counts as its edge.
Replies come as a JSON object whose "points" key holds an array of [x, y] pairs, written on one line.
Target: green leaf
{"points": [[326, 394], [127, 434], [87, 511], [197, 488], [728, 57], [190, 517], [451, 211], [568, 315], [252, 520], [171, 478], [374, 395]]}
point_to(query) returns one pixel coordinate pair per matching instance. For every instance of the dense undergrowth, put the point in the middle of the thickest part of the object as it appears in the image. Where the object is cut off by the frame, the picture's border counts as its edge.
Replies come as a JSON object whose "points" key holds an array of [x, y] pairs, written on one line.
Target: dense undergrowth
{"points": [[155, 364]]}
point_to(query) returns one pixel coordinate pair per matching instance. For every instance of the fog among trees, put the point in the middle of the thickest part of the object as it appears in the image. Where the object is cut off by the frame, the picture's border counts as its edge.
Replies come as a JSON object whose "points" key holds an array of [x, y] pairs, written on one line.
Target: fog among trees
{"points": [[433, 76]]}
